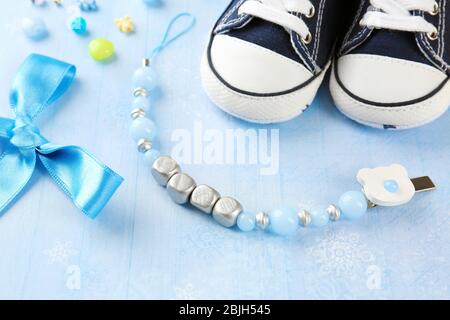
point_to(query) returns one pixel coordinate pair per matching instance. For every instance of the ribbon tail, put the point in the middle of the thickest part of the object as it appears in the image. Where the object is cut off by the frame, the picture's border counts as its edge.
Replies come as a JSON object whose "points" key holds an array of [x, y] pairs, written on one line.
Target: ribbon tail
{"points": [[89, 183], [16, 169], [6, 125]]}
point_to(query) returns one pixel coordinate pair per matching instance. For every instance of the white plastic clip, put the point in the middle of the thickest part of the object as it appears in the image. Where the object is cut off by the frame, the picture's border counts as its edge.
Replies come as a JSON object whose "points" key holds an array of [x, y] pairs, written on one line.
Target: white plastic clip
{"points": [[391, 186]]}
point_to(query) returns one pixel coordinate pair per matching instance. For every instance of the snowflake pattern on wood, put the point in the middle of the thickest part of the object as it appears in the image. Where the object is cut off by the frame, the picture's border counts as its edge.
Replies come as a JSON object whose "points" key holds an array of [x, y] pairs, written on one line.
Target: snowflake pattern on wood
{"points": [[60, 253], [341, 253]]}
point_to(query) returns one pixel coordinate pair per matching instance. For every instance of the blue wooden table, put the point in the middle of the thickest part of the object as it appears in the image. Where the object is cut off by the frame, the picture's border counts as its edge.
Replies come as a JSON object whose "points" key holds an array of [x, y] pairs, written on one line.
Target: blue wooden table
{"points": [[144, 246]]}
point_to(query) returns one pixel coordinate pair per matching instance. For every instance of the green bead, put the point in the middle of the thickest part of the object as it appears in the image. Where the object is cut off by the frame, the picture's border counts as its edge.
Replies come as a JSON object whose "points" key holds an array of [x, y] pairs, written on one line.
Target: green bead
{"points": [[101, 49]]}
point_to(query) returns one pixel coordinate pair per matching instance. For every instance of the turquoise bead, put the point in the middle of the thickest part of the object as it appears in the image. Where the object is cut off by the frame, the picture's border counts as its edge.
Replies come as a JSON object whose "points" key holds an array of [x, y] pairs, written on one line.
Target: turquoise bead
{"points": [[153, 3], [283, 221], [246, 221], [151, 156], [145, 77], [319, 217], [143, 128], [391, 186], [353, 204], [141, 102], [78, 25]]}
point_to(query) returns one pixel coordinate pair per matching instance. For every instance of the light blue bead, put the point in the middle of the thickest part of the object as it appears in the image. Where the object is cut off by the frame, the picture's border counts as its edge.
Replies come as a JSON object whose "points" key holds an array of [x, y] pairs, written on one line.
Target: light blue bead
{"points": [[143, 128], [353, 205], [34, 28], [283, 221], [151, 155], [246, 221], [391, 186], [141, 102], [145, 77], [156, 143], [78, 25], [319, 217]]}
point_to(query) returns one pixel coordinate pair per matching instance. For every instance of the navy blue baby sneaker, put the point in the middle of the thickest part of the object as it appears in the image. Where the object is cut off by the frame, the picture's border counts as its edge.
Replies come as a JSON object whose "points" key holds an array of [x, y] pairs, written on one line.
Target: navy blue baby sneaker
{"points": [[267, 58], [392, 70]]}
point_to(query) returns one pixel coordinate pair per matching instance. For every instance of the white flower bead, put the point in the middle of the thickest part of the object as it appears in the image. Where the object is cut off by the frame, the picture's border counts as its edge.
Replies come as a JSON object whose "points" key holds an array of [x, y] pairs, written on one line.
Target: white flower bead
{"points": [[387, 186]]}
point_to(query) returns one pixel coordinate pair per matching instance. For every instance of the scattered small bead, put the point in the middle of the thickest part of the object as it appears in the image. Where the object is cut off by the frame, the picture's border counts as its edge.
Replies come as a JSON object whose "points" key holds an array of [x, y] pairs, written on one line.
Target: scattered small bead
{"points": [[87, 5], [125, 24], [78, 25], [391, 186], [319, 217], [304, 218], [151, 156], [34, 28], [283, 221], [101, 49], [145, 77], [353, 205], [153, 3], [246, 221], [143, 128], [39, 3], [334, 212]]}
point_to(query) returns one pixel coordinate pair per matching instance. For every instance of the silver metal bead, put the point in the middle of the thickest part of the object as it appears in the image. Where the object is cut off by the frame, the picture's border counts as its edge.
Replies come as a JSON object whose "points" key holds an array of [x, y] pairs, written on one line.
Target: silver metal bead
{"points": [[204, 198], [137, 113], [334, 212], [226, 211], [305, 218], [144, 145], [180, 187], [164, 168], [262, 220], [146, 62], [141, 91]]}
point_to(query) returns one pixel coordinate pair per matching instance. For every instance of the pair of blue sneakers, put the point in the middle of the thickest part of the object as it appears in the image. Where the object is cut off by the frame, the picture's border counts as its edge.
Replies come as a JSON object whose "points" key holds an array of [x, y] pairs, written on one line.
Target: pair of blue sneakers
{"points": [[389, 59]]}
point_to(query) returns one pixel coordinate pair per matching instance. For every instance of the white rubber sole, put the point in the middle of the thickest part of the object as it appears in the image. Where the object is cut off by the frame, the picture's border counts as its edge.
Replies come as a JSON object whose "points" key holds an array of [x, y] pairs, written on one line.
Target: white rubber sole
{"points": [[390, 117], [258, 109]]}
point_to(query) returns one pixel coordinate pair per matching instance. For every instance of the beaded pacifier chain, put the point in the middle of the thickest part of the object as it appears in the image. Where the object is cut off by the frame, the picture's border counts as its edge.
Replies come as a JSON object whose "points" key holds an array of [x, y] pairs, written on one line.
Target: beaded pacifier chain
{"points": [[382, 186]]}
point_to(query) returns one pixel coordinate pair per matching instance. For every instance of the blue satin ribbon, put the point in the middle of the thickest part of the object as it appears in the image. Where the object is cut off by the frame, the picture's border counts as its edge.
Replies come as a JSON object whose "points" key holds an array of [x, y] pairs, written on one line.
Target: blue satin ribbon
{"points": [[89, 183]]}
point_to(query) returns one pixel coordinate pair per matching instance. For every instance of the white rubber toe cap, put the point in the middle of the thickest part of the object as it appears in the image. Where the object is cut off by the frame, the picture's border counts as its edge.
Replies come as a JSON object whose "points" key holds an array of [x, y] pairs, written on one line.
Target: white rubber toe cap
{"points": [[252, 69], [386, 80]]}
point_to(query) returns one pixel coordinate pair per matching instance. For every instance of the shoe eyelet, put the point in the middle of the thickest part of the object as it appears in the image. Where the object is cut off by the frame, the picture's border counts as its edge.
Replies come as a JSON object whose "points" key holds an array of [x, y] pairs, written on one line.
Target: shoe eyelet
{"points": [[307, 39], [435, 10], [311, 12], [433, 35]]}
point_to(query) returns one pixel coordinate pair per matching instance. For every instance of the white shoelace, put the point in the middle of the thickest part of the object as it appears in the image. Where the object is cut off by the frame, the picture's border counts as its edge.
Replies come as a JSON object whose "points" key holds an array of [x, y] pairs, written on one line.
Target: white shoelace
{"points": [[396, 15], [281, 12]]}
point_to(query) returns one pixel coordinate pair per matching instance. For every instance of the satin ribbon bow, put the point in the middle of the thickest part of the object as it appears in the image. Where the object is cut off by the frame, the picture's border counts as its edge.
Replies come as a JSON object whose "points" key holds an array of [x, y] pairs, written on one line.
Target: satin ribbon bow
{"points": [[90, 184]]}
